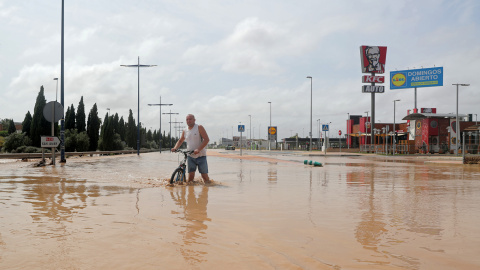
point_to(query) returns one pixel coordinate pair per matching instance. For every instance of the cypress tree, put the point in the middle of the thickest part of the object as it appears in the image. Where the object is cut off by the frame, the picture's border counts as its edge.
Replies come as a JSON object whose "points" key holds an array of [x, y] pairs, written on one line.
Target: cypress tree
{"points": [[40, 126], [131, 134], [121, 129], [11, 127], [27, 122], [93, 128], [70, 118], [80, 117]]}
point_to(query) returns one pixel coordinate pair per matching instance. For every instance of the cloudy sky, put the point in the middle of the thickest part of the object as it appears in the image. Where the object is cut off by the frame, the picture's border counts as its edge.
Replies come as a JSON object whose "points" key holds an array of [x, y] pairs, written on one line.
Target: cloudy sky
{"points": [[225, 60]]}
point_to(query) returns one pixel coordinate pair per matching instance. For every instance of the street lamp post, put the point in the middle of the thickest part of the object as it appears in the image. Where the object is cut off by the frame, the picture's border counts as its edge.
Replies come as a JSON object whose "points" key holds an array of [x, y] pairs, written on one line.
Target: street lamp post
{"points": [[366, 130], [250, 116], [457, 125], [319, 130], [348, 134], [311, 106], [138, 66], [170, 141], [160, 105], [394, 127]]}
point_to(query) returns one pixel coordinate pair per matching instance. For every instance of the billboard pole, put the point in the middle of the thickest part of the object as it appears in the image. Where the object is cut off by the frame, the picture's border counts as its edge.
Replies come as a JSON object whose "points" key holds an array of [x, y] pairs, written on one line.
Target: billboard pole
{"points": [[372, 122]]}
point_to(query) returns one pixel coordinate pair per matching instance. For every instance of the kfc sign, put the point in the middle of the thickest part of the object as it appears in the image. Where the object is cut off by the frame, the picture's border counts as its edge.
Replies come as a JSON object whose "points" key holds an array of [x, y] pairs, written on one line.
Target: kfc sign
{"points": [[373, 79], [373, 59]]}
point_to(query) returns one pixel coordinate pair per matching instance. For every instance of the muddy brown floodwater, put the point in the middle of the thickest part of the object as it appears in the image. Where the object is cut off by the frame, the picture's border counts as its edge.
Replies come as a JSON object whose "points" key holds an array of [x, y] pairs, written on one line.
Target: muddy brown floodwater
{"points": [[264, 211]]}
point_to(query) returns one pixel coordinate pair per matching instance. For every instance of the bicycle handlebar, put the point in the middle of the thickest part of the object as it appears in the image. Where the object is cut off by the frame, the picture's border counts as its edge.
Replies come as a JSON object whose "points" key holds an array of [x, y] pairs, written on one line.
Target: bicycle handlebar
{"points": [[183, 151]]}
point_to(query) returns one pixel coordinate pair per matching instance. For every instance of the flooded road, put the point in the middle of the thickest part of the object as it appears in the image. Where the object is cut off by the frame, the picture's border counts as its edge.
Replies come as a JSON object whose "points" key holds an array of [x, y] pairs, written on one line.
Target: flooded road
{"points": [[265, 211]]}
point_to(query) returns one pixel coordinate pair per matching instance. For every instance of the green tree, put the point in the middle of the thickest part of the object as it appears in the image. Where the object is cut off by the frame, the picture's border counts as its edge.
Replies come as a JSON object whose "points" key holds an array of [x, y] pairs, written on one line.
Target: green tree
{"points": [[131, 132], [121, 129], [70, 140], [80, 117], [40, 126], [115, 124], [27, 122], [14, 141], [83, 142], [149, 135], [93, 128], [11, 127], [70, 118]]}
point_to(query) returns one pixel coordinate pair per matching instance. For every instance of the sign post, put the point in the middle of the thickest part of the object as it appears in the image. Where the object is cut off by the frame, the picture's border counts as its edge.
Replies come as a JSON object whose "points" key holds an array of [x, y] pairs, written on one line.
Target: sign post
{"points": [[325, 129], [241, 129], [373, 59], [272, 135], [53, 112]]}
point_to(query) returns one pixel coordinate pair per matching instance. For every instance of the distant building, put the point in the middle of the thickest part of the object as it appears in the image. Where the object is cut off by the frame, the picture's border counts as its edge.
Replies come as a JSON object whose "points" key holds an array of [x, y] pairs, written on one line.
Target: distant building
{"points": [[424, 132]]}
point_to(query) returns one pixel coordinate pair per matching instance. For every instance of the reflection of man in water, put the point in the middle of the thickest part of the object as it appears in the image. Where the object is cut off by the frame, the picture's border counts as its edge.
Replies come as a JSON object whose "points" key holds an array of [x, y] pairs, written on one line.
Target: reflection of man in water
{"points": [[373, 56], [195, 214]]}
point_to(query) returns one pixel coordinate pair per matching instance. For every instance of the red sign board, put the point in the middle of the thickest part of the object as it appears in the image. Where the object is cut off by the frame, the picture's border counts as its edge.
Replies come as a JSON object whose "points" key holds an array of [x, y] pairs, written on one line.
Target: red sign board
{"points": [[373, 58], [339, 132], [373, 79]]}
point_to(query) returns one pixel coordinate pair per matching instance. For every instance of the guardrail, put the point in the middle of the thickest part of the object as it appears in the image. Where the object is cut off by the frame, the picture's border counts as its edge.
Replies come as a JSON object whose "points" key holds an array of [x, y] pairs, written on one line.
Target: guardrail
{"points": [[69, 154]]}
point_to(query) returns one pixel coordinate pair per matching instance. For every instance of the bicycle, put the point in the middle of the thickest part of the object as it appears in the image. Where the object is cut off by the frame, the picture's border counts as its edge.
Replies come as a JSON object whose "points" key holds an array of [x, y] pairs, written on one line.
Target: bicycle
{"points": [[178, 175]]}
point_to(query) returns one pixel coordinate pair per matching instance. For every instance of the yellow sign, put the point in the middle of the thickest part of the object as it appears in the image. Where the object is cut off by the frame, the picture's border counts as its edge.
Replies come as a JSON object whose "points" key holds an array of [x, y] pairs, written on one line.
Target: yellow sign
{"points": [[272, 130]]}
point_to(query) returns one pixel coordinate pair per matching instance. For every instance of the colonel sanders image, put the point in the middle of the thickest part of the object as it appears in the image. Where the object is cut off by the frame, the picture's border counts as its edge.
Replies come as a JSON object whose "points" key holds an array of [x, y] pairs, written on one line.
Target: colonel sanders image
{"points": [[373, 56]]}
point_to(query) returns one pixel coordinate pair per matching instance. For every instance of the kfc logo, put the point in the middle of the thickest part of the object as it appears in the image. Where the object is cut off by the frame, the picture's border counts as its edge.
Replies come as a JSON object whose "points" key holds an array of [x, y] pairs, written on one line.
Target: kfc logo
{"points": [[373, 79], [373, 59]]}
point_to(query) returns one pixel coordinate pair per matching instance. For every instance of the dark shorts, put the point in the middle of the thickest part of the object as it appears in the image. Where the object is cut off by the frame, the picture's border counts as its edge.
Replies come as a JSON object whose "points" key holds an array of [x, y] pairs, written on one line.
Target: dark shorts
{"points": [[200, 162]]}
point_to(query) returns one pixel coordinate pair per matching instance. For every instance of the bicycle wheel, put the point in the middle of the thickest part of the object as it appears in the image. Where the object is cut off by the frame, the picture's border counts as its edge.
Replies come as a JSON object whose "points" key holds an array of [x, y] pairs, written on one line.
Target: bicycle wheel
{"points": [[177, 176]]}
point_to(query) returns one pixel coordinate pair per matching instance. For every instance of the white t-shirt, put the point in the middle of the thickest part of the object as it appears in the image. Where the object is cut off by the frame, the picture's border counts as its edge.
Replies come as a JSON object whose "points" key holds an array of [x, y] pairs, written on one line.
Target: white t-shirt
{"points": [[194, 140]]}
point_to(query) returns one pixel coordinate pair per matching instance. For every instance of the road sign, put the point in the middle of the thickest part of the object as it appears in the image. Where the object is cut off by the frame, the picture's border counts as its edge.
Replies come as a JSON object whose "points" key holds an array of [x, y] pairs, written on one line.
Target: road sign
{"points": [[324, 127], [339, 132], [49, 110], [50, 141], [241, 128]]}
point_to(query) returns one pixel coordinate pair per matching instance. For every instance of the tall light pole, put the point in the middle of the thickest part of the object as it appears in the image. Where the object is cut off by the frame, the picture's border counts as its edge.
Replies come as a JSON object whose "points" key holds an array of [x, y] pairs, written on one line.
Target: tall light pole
{"points": [[250, 131], [269, 125], [138, 66], [348, 134], [311, 106], [56, 90], [319, 130], [170, 141], [457, 125], [108, 109], [394, 126], [160, 105], [62, 99], [366, 130]]}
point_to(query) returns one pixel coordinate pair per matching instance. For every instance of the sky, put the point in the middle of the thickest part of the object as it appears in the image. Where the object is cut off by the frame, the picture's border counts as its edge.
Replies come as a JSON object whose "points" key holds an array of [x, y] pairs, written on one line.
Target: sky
{"points": [[224, 61]]}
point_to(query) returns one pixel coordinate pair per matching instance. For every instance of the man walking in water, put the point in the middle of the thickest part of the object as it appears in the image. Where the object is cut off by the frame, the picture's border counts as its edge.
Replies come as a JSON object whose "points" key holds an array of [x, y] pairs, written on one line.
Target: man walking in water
{"points": [[197, 139]]}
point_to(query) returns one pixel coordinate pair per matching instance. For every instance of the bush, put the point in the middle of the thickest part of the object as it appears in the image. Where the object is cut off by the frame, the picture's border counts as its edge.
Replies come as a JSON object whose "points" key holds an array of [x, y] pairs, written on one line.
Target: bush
{"points": [[14, 141], [75, 141], [27, 149], [83, 142]]}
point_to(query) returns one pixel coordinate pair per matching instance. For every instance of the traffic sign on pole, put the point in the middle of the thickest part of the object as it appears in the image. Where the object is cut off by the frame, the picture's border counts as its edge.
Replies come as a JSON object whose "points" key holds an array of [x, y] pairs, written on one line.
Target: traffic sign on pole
{"points": [[50, 141]]}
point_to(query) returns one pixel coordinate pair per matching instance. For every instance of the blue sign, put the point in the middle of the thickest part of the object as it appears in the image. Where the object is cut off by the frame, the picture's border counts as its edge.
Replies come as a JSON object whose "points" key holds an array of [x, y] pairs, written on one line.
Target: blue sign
{"points": [[324, 127], [241, 128], [425, 77]]}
